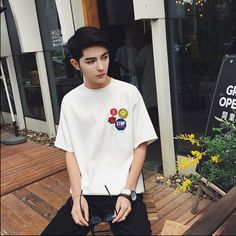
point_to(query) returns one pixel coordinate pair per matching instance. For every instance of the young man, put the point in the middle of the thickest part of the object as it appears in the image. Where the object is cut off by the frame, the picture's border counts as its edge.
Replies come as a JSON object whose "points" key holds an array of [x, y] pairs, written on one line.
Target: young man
{"points": [[104, 129]]}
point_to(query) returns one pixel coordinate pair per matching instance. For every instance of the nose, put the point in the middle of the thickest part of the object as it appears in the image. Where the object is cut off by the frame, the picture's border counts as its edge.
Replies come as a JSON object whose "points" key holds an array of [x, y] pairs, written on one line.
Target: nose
{"points": [[99, 65]]}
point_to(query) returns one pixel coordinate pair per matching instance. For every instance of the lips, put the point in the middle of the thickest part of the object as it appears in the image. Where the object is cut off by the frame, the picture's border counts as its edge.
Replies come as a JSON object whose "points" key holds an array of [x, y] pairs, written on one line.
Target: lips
{"points": [[101, 75]]}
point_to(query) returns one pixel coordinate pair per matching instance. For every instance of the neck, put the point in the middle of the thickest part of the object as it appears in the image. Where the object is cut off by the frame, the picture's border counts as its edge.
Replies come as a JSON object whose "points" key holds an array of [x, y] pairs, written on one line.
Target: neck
{"points": [[96, 85]]}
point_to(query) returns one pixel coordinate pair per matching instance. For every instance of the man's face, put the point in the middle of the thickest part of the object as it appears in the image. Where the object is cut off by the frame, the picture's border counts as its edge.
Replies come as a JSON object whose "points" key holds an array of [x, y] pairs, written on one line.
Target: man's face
{"points": [[94, 66]]}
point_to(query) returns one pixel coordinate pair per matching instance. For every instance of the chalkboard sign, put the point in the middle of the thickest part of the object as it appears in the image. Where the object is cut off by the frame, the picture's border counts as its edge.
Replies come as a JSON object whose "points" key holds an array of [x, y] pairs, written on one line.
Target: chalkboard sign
{"points": [[223, 103], [224, 98]]}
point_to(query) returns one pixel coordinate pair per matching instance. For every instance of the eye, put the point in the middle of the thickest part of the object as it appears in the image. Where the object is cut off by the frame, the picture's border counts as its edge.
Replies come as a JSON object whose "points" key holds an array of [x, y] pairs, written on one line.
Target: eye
{"points": [[105, 57], [90, 62]]}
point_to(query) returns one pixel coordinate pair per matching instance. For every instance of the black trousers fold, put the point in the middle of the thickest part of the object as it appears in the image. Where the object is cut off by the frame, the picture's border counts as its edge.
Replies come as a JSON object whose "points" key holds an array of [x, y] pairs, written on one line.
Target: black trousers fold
{"points": [[136, 223]]}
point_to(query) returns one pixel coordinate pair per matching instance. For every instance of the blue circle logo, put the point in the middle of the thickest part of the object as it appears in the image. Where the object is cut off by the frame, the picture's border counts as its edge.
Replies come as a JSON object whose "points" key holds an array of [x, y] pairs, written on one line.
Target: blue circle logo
{"points": [[120, 124]]}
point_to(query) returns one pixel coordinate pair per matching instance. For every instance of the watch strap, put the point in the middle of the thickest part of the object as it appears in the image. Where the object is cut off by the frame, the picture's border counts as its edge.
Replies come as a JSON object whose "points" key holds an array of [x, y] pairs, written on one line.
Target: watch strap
{"points": [[126, 191], [126, 196]]}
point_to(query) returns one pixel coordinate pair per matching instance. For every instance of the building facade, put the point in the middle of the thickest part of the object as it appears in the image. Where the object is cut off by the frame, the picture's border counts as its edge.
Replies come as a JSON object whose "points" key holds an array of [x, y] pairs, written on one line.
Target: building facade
{"points": [[171, 50]]}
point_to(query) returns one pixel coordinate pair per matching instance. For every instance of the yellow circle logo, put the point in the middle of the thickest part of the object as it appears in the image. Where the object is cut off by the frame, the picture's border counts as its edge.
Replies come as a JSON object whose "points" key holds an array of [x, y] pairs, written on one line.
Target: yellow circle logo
{"points": [[123, 113]]}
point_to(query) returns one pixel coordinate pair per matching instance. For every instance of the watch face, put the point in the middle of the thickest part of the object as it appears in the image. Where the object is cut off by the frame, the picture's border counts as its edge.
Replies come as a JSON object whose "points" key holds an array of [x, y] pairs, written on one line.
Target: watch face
{"points": [[133, 196]]}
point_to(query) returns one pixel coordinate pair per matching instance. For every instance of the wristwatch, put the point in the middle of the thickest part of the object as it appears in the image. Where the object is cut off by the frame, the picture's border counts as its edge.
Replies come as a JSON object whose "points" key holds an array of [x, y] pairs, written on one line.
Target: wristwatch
{"points": [[129, 194]]}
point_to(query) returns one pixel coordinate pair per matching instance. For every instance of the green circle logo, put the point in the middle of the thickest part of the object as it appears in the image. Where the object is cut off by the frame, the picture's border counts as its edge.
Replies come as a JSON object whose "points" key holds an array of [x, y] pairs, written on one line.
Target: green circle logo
{"points": [[123, 113]]}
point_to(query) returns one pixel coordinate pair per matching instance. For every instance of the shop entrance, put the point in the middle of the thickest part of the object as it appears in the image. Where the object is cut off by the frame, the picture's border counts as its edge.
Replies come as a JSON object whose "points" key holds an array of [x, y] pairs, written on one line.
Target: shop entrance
{"points": [[131, 59]]}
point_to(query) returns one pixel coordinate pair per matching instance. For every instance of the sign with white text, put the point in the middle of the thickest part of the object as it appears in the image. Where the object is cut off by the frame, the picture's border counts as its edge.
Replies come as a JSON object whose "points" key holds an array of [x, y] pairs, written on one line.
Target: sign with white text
{"points": [[224, 100], [56, 38]]}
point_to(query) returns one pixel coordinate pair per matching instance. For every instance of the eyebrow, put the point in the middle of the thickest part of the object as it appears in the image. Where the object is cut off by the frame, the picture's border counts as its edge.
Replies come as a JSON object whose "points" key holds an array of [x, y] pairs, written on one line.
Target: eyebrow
{"points": [[92, 58]]}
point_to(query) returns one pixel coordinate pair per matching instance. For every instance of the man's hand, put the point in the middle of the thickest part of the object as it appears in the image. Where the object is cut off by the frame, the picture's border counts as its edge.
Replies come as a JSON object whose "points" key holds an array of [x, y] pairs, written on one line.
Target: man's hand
{"points": [[123, 207], [80, 211]]}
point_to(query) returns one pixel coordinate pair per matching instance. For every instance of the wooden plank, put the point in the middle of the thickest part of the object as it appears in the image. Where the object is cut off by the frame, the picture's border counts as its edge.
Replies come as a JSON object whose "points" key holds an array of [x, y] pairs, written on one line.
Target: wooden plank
{"points": [[188, 216], [173, 228], [42, 166], [62, 177], [12, 224], [21, 147], [25, 150], [151, 178], [36, 203], [167, 199], [47, 195], [161, 194], [148, 172], [150, 206], [29, 216], [229, 227], [7, 187], [30, 162], [180, 207], [171, 206], [153, 187], [214, 217], [56, 186], [38, 167]]}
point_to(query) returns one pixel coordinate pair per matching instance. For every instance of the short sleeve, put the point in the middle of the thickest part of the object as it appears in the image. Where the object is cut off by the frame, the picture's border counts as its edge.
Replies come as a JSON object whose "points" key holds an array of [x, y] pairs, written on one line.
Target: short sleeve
{"points": [[143, 130], [63, 138]]}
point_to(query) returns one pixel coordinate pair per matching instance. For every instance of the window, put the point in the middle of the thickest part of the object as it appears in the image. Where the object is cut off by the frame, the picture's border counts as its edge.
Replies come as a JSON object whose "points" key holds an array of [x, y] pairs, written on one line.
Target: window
{"points": [[200, 33], [62, 76], [4, 102], [33, 105]]}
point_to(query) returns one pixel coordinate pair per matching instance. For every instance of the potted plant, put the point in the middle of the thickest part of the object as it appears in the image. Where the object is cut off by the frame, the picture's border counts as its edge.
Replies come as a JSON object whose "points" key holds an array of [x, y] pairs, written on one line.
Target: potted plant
{"points": [[215, 158]]}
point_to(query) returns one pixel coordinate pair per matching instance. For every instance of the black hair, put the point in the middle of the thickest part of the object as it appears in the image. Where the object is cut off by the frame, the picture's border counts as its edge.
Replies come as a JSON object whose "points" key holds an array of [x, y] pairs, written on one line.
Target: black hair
{"points": [[85, 37]]}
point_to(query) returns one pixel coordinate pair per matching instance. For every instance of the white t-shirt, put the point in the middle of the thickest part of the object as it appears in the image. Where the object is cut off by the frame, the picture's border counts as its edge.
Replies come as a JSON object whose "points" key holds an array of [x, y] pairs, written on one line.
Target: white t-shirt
{"points": [[103, 127]]}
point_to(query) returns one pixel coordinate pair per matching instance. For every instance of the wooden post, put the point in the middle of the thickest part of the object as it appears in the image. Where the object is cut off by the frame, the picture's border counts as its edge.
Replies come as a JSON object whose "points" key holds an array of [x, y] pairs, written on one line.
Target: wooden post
{"points": [[197, 199], [90, 11]]}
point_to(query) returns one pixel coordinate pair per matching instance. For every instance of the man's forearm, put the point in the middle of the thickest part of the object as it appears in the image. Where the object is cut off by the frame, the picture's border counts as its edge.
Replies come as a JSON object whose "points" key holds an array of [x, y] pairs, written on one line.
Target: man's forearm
{"points": [[74, 173], [136, 166]]}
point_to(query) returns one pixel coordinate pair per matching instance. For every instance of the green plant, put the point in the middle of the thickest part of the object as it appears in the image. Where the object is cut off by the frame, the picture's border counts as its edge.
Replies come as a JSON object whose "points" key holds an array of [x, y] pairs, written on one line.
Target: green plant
{"points": [[216, 157]]}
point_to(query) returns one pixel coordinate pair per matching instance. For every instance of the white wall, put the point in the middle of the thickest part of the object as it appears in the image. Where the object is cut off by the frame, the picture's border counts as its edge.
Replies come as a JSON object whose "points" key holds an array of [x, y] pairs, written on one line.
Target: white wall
{"points": [[78, 15], [148, 9], [26, 20], [5, 43], [66, 20]]}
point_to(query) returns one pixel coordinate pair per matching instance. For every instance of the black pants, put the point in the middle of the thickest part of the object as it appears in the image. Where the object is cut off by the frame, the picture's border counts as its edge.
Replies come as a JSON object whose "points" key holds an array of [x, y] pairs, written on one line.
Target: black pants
{"points": [[136, 222]]}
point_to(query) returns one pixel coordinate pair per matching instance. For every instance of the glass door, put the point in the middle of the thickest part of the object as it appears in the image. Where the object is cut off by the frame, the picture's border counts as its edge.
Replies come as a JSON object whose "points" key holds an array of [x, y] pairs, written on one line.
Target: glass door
{"points": [[131, 59], [4, 103]]}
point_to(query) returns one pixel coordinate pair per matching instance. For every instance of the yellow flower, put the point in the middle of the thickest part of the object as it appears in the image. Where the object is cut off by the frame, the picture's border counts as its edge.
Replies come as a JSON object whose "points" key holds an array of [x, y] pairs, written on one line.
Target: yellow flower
{"points": [[197, 154], [179, 188], [185, 185], [215, 159], [189, 137], [193, 162], [185, 163]]}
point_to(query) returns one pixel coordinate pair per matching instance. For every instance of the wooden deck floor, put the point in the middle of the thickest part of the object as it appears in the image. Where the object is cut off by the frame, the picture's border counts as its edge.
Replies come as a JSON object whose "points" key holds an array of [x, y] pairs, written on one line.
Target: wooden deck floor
{"points": [[26, 163], [28, 210]]}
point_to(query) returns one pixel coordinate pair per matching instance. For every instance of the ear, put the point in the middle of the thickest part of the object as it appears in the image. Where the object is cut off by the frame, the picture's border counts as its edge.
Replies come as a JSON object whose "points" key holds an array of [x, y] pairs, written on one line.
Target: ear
{"points": [[75, 64]]}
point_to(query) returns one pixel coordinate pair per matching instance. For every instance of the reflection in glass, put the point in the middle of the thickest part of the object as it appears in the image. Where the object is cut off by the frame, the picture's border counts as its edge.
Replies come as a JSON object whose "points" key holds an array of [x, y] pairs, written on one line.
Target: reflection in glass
{"points": [[31, 84], [62, 76], [200, 33], [4, 103]]}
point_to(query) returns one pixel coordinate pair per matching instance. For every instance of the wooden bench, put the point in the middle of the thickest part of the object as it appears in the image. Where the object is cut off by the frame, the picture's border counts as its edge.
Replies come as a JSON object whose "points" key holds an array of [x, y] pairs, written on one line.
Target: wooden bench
{"points": [[221, 213]]}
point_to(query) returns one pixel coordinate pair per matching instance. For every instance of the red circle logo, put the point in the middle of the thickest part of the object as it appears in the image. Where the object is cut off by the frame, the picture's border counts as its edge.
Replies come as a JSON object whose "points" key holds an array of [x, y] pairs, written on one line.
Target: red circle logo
{"points": [[113, 112]]}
